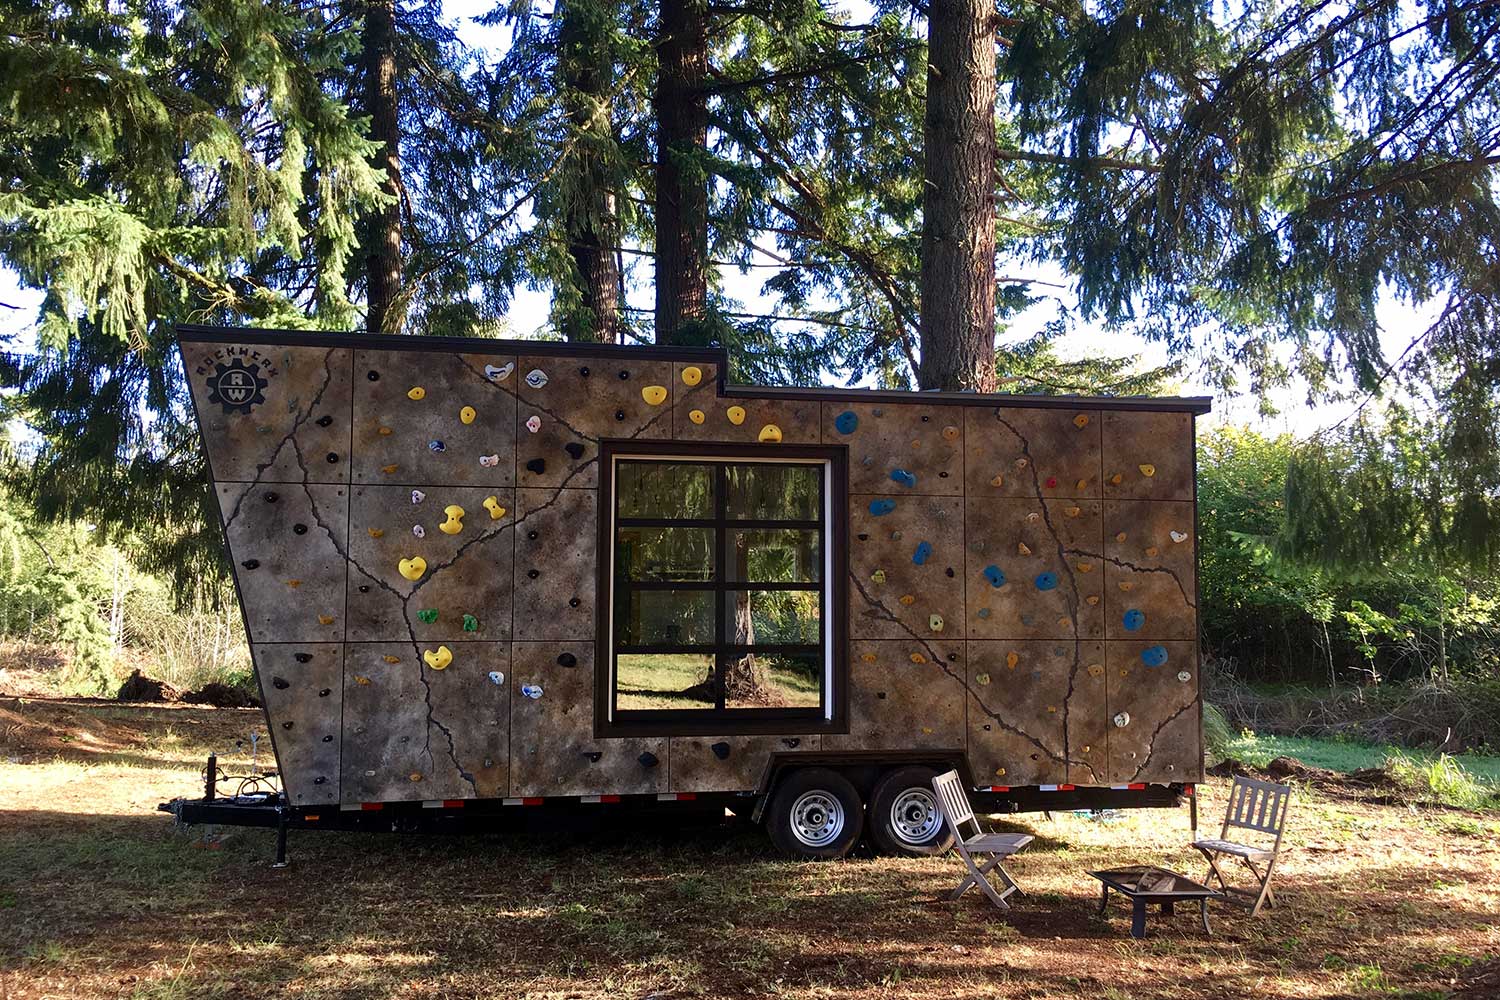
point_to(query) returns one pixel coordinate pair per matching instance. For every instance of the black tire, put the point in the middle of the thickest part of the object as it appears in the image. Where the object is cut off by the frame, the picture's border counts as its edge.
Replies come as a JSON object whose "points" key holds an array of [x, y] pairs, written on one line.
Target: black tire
{"points": [[815, 813], [904, 817]]}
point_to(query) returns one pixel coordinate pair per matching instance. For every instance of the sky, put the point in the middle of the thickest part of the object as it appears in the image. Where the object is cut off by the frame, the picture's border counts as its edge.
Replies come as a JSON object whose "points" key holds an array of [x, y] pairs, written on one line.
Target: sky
{"points": [[529, 309]]}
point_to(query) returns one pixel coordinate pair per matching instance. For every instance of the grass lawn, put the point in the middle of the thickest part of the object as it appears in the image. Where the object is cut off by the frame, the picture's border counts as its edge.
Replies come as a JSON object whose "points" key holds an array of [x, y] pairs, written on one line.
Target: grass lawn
{"points": [[101, 897], [1339, 755], [654, 680]]}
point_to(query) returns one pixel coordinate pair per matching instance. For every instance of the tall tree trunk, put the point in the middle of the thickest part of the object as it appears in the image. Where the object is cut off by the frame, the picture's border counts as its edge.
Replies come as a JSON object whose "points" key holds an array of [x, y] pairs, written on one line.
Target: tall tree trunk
{"points": [[957, 324], [386, 313], [681, 190], [586, 67]]}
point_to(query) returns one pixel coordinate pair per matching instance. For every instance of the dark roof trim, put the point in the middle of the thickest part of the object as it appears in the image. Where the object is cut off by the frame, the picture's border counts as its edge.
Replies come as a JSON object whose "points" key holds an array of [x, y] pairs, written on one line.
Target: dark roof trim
{"points": [[191, 333]]}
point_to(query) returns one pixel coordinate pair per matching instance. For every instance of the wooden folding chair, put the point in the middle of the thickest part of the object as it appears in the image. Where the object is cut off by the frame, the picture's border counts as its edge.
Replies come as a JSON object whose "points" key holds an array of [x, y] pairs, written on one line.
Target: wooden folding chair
{"points": [[1258, 806], [953, 803]]}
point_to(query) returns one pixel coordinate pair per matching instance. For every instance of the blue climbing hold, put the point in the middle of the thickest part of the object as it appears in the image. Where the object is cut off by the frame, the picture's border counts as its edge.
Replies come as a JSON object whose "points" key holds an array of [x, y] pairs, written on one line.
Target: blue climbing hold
{"points": [[1154, 656], [1134, 620], [846, 422], [882, 507], [1046, 581], [904, 478], [923, 551], [995, 575]]}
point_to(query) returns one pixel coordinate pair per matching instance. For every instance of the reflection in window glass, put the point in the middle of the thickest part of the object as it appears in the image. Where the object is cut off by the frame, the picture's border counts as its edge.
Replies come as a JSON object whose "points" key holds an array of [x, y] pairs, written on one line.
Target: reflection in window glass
{"points": [[665, 618], [773, 492], [772, 618], [664, 680], [664, 489], [665, 554], [772, 555], [780, 680]]}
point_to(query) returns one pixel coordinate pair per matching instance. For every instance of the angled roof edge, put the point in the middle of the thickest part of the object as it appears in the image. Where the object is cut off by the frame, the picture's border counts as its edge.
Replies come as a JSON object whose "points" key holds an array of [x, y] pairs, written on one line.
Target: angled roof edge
{"points": [[197, 334]]}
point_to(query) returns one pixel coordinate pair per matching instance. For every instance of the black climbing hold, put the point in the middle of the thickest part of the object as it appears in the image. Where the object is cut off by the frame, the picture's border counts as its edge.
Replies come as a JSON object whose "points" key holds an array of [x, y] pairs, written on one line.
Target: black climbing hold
{"points": [[864, 536], [952, 657], [364, 588], [251, 563], [925, 419], [373, 376], [406, 739], [880, 695], [584, 371], [573, 603], [648, 759], [271, 498], [942, 475], [531, 535], [986, 727], [319, 780], [792, 742], [1036, 756], [533, 573], [593, 756], [325, 420], [949, 571], [328, 739], [721, 750], [325, 692], [333, 458], [619, 414], [567, 660], [302, 657], [287, 724], [624, 374], [299, 529], [280, 683], [537, 466], [574, 449]]}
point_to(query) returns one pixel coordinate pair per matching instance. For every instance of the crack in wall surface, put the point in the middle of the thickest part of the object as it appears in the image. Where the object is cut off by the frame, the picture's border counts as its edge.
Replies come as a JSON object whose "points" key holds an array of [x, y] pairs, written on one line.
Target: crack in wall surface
{"points": [[1126, 564]]}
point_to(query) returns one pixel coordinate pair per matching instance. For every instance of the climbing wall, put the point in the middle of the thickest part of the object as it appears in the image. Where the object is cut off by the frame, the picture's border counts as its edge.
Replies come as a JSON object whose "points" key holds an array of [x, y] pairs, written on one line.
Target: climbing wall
{"points": [[414, 537]]}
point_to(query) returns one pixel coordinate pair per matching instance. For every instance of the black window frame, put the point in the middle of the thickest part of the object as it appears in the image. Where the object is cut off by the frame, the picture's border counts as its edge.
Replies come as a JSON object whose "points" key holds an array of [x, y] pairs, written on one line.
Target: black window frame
{"points": [[831, 714]]}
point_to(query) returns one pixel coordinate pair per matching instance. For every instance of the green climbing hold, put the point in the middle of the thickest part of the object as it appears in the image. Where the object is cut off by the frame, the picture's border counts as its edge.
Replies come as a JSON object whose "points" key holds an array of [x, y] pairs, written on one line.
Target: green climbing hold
{"points": [[428, 615], [471, 624]]}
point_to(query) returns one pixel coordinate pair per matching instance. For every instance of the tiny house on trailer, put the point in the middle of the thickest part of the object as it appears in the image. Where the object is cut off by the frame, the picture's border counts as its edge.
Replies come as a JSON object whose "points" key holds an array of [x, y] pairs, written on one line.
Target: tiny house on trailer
{"points": [[486, 574]]}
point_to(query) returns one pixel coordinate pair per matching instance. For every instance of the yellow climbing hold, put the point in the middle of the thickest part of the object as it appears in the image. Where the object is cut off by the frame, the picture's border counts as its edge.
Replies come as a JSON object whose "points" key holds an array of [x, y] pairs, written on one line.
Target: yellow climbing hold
{"points": [[388, 469], [770, 434], [416, 393], [1120, 537], [467, 415], [997, 480], [1152, 551], [412, 568], [325, 619], [908, 600], [385, 432], [1148, 470], [868, 657], [1065, 624], [918, 658], [1081, 421], [935, 622], [1023, 549], [294, 584], [878, 576], [1085, 567], [1126, 585], [391, 659], [415, 776], [1083, 484], [981, 678], [1012, 658], [736, 415], [454, 524], [1093, 600], [1052, 708], [1000, 772], [1074, 511], [654, 394], [375, 532], [438, 659], [363, 681], [950, 433], [697, 416], [927, 730], [692, 375], [1116, 479], [493, 506]]}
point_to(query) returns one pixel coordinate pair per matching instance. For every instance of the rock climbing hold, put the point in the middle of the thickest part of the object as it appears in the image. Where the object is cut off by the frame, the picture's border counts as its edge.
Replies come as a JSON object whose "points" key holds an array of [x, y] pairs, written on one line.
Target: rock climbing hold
{"points": [[995, 575], [935, 622], [1046, 581], [904, 478], [389, 469], [325, 619], [1081, 421], [918, 658], [1122, 719], [438, 659], [280, 684], [868, 657], [567, 660], [1022, 462], [325, 421], [1082, 485], [471, 624], [489, 461], [1184, 676], [1133, 620], [412, 568], [501, 373], [536, 378], [1120, 537], [1152, 551], [1177, 536], [770, 434], [391, 659], [1096, 670], [1092, 600], [493, 506], [416, 393], [467, 415], [1085, 567], [984, 612], [385, 432], [299, 529], [1116, 479], [532, 574], [736, 415], [574, 450], [496, 677], [1033, 517], [372, 375], [1022, 549], [1154, 656], [654, 395], [648, 759], [537, 466], [454, 524], [923, 552], [271, 498], [950, 433], [428, 615], [294, 584], [1051, 483], [881, 507], [436, 447], [532, 691], [419, 531], [846, 422], [302, 657], [417, 496], [697, 416], [362, 681], [1147, 470], [415, 776], [721, 750], [692, 375], [981, 678], [1012, 658], [907, 599], [878, 576], [1073, 511], [1000, 772], [533, 423], [895, 536], [1126, 586]]}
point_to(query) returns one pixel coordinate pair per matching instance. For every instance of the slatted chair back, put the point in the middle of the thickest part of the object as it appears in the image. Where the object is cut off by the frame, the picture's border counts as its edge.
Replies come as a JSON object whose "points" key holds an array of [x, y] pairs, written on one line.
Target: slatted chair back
{"points": [[955, 803], [1256, 805]]}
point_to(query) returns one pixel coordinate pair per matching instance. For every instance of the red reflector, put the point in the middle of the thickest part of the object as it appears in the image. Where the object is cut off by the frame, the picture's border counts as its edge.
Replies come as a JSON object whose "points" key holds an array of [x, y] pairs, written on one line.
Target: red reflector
{"points": [[309, 819], [453, 803], [999, 788], [1137, 786], [1065, 788], [609, 798], [372, 806], [531, 802], [1188, 790], [686, 796]]}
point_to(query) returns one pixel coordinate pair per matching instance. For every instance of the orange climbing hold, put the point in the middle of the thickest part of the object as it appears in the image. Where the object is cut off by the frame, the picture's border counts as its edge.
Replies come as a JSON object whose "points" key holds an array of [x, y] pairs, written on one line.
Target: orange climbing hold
{"points": [[325, 619], [1081, 421], [908, 600], [375, 532], [950, 433], [1012, 658], [391, 659]]}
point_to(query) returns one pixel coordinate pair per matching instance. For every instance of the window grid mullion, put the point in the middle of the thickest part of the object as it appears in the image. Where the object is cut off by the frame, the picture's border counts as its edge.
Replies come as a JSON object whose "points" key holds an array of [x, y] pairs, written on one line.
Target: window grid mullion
{"points": [[721, 492]]}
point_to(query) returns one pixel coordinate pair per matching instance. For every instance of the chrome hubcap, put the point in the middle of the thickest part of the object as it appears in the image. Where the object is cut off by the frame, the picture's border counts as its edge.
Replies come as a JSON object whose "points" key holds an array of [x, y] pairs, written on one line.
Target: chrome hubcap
{"points": [[817, 818], [914, 817]]}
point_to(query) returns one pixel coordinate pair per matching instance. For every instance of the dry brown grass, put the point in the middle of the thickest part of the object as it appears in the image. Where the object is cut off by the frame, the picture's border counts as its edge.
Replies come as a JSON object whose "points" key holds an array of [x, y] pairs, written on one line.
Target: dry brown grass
{"points": [[100, 897]]}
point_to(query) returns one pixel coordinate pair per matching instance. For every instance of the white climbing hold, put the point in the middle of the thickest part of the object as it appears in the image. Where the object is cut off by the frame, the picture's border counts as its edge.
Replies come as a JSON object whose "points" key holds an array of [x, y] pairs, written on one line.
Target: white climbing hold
{"points": [[489, 461], [533, 423], [419, 531], [1179, 536], [1122, 719], [501, 373], [496, 677], [531, 691], [417, 496], [536, 378]]}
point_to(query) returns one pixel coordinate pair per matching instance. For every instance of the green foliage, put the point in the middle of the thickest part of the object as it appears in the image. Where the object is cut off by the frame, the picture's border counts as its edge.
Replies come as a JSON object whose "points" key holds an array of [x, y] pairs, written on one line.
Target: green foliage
{"points": [[1440, 780]]}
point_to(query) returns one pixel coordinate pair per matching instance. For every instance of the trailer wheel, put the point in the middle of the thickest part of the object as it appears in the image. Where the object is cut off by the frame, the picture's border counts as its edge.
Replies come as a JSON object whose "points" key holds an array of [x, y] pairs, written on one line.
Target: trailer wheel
{"points": [[904, 815], [815, 813]]}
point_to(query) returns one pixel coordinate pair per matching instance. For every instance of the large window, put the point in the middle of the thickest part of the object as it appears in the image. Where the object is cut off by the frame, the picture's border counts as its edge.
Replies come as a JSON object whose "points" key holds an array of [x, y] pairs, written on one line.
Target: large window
{"points": [[720, 608]]}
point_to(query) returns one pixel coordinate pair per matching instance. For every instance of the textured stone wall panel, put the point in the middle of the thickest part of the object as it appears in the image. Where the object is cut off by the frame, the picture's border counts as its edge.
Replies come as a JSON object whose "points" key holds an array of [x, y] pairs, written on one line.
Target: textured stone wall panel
{"points": [[304, 692], [923, 442], [1032, 453], [891, 595], [728, 763], [1150, 570], [1148, 456], [795, 420], [1046, 588], [1154, 712], [904, 695], [555, 567], [1019, 701]]}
